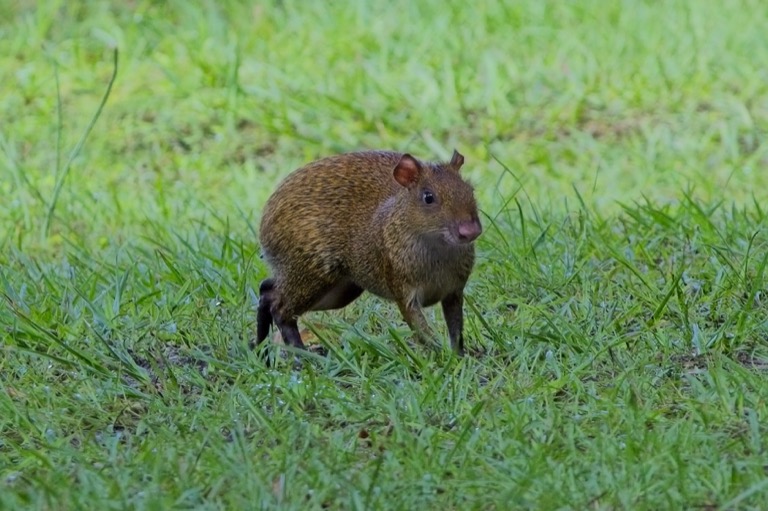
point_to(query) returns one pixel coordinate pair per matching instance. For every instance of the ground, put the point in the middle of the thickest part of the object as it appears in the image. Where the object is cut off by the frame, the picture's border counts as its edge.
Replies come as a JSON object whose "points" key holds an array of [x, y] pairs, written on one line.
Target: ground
{"points": [[616, 319]]}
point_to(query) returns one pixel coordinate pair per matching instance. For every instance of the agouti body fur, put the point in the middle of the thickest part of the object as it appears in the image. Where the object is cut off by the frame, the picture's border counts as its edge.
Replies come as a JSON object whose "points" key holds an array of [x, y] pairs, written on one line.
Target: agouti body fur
{"points": [[376, 221]]}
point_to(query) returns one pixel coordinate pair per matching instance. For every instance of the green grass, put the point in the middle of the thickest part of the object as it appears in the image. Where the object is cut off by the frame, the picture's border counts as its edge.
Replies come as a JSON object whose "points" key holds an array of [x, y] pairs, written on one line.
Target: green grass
{"points": [[617, 315]]}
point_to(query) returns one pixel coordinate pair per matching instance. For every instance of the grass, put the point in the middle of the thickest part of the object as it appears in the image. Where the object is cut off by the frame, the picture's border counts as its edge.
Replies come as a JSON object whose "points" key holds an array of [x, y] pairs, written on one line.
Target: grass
{"points": [[617, 314]]}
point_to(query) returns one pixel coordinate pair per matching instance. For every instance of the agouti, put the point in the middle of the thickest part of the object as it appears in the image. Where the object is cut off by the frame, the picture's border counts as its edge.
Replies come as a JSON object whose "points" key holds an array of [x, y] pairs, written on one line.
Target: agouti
{"points": [[376, 221]]}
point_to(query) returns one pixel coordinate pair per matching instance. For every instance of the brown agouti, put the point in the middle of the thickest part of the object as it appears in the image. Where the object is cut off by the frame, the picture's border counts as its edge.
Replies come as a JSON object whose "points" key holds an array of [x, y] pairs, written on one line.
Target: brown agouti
{"points": [[375, 221]]}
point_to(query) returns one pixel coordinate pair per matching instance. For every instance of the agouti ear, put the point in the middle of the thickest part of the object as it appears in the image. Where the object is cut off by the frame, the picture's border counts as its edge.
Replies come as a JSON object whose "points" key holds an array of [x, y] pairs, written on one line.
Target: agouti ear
{"points": [[407, 171], [457, 160]]}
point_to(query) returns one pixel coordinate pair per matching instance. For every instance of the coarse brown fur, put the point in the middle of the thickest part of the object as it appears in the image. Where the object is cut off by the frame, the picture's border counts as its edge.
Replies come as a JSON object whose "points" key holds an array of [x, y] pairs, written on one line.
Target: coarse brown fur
{"points": [[377, 221]]}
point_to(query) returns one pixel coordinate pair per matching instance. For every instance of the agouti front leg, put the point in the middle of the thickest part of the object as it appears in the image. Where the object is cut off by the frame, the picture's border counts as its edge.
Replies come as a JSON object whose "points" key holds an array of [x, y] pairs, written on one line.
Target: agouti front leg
{"points": [[453, 310], [415, 318]]}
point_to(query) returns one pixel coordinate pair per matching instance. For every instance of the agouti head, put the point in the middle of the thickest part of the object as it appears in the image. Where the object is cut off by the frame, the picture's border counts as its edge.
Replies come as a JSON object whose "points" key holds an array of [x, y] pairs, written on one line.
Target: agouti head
{"points": [[438, 203]]}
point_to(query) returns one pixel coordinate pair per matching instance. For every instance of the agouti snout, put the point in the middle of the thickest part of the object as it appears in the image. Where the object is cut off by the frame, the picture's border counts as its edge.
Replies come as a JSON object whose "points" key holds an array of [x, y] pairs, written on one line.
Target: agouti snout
{"points": [[376, 221]]}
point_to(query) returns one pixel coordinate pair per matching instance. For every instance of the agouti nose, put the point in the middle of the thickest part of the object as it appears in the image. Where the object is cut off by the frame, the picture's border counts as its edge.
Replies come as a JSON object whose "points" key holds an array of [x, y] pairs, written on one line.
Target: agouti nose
{"points": [[469, 231]]}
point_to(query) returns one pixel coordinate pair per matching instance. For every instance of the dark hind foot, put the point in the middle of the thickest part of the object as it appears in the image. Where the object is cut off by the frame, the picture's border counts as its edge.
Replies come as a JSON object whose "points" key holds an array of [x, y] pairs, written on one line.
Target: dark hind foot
{"points": [[264, 312]]}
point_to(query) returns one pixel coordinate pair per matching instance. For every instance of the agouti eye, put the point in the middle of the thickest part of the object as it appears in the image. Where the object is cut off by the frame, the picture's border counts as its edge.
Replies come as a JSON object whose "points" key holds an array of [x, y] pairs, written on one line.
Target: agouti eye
{"points": [[428, 197]]}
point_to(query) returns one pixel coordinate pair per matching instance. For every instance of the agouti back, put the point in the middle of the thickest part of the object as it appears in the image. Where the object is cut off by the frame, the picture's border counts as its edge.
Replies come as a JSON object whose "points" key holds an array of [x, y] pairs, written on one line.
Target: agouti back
{"points": [[376, 221]]}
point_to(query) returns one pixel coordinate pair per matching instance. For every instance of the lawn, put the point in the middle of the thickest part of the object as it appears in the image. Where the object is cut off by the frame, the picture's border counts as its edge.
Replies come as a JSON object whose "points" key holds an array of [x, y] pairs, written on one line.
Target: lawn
{"points": [[617, 317]]}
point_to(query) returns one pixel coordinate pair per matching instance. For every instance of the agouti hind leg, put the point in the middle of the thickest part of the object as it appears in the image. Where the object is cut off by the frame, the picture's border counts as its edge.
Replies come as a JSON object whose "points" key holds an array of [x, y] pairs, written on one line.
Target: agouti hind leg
{"points": [[268, 311], [293, 293], [289, 330], [263, 311]]}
